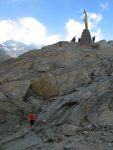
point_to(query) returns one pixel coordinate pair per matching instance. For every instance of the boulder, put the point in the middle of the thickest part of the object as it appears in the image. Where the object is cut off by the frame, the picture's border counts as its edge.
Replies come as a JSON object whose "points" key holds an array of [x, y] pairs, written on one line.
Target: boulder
{"points": [[16, 90], [45, 86], [104, 45]]}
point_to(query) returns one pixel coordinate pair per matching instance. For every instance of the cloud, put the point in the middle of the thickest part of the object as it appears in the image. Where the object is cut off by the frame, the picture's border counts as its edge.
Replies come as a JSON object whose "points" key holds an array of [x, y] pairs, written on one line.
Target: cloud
{"points": [[98, 34], [94, 20], [75, 28], [27, 30], [30, 31], [105, 5]]}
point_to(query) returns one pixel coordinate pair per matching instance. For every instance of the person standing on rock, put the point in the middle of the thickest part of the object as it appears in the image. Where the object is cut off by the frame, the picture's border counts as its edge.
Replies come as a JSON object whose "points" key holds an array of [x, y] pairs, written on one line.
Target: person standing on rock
{"points": [[79, 40], [31, 119], [93, 39], [73, 39], [92, 76]]}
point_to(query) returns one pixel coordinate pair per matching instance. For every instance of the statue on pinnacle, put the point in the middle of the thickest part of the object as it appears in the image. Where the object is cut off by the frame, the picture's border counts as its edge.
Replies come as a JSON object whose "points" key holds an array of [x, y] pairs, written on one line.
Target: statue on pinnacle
{"points": [[86, 19], [86, 37]]}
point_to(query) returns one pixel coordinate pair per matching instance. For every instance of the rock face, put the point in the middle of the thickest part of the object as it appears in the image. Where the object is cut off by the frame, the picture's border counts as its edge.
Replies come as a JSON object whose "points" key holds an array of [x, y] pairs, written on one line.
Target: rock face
{"points": [[55, 82], [110, 42]]}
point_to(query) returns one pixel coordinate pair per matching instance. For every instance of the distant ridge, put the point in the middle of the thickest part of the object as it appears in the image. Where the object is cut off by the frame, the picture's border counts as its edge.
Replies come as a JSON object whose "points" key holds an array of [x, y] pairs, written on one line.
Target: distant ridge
{"points": [[16, 48]]}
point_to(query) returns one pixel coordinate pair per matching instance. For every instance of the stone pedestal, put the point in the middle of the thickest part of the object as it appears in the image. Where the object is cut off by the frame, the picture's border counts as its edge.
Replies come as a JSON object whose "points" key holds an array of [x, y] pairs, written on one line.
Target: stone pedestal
{"points": [[86, 37]]}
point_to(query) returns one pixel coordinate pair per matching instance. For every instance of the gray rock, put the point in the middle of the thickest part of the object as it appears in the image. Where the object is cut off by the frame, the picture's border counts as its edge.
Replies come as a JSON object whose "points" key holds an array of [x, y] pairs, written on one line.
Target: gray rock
{"points": [[86, 37], [55, 82], [69, 129]]}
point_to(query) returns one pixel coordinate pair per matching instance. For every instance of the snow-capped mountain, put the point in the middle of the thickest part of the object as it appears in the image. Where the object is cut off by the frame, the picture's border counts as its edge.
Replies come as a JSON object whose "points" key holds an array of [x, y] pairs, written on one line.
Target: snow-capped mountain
{"points": [[15, 48]]}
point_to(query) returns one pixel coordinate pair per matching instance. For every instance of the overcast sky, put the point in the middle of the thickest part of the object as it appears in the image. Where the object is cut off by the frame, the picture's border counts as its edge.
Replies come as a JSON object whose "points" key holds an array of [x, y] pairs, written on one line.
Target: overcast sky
{"points": [[45, 22]]}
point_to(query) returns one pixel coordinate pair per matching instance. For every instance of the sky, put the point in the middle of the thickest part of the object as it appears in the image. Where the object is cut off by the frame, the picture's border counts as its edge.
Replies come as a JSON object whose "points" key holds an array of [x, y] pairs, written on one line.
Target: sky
{"points": [[44, 22]]}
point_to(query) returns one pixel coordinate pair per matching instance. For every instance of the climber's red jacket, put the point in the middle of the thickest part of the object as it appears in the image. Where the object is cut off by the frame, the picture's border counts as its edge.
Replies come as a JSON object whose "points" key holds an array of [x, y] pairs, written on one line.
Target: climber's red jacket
{"points": [[31, 116]]}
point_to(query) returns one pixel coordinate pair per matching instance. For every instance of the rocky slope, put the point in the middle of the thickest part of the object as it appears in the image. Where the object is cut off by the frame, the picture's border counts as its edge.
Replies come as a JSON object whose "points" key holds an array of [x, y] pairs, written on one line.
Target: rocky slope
{"points": [[56, 83], [3, 54]]}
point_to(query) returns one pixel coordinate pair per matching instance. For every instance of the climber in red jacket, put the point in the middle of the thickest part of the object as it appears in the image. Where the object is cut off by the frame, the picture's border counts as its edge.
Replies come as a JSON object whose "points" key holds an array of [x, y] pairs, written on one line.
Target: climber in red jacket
{"points": [[31, 119]]}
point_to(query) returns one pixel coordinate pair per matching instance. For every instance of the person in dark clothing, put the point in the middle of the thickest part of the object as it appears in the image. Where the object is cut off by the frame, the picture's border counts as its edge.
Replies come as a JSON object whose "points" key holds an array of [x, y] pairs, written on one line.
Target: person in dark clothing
{"points": [[79, 40], [73, 39], [93, 75], [93, 39]]}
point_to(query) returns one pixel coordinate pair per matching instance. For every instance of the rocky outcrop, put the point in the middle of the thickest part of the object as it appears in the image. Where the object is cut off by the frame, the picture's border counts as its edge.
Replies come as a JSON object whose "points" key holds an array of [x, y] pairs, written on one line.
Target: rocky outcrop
{"points": [[84, 106], [56, 83], [110, 42]]}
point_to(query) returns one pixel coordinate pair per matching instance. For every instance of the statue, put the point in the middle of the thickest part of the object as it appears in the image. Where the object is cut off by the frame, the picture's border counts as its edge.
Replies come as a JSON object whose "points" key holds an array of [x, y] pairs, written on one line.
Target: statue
{"points": [[86, 20], [85, 37]]}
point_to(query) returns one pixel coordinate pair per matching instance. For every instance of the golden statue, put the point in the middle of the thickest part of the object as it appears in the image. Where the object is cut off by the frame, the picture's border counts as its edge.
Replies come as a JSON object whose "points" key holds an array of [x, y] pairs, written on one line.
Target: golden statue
{"points": [[86, 20]]}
